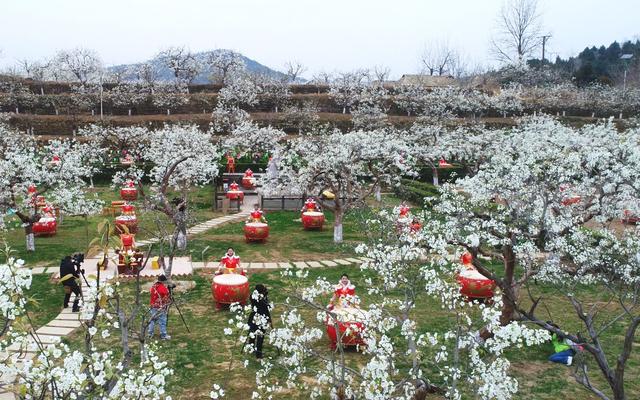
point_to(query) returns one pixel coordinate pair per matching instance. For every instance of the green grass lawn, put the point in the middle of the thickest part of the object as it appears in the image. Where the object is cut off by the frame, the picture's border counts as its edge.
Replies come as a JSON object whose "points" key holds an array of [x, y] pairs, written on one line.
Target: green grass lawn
{"points": [[75, 233], [287, 240], [206, 355]]}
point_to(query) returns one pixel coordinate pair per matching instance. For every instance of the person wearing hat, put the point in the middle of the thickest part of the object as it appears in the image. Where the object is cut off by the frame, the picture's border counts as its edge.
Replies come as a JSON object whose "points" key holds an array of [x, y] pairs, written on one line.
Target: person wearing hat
{"points": [[160, 300]]}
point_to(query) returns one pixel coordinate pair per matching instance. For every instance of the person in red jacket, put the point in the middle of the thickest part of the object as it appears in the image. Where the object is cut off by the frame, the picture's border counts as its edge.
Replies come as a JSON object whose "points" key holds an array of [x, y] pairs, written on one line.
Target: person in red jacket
{"points": [[343, 293], [160, 300]]}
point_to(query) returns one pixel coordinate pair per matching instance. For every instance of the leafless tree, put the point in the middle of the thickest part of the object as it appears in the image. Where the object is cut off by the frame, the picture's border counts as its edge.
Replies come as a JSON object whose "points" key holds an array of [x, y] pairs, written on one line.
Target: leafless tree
{"points": [[294, 70], [438, 58], [381, 73], [518, 31], [80, 64], [182, 62]]}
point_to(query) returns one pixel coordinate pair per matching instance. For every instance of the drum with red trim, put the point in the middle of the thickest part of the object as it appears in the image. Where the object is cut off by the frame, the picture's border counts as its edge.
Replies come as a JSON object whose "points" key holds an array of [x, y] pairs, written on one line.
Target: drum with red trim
{"points": [[256, 231], [350, 322], [130, 221], [230, 288], [312, 220], [235, 195], [46, 226], [129, 192], [474, 285]]}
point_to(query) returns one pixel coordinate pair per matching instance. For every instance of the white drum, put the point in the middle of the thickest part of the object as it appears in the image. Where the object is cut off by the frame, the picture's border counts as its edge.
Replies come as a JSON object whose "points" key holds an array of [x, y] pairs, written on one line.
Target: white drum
{"points": [[256, 224], [230, 279]]}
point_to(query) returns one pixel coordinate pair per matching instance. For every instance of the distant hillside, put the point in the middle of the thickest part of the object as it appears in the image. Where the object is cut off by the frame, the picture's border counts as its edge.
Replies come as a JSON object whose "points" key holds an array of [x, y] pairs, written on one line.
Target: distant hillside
{"points": [[166, 74], [601, 64]]}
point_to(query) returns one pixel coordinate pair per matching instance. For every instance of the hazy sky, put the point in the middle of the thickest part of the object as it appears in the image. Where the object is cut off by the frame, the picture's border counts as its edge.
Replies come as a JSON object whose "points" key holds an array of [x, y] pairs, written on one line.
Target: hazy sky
{"points": [[323, 35]]}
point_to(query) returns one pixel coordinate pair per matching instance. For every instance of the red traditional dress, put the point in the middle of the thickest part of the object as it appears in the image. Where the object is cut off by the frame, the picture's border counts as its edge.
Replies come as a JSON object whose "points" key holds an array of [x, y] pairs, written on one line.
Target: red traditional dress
{"points": [[231, 164], [230, 263], [257, 216], [415, 226], [404, 211], [309, 205], [343, 292], [248, 173], [233, 186]]}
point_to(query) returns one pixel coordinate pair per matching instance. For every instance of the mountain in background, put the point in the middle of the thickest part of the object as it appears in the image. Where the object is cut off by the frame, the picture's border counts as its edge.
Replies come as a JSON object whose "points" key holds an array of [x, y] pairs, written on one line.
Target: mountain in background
{"points": [[204, 76], [602, 64]]}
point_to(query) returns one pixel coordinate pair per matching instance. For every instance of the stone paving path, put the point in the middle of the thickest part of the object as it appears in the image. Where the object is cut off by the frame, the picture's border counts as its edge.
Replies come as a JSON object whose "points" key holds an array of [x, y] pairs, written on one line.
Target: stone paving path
{"points": [[66, 322]]}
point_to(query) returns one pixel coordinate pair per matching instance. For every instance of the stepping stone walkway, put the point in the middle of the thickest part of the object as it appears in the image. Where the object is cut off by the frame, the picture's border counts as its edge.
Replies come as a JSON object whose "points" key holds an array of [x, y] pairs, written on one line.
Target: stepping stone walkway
{"points": [[67, 322]]}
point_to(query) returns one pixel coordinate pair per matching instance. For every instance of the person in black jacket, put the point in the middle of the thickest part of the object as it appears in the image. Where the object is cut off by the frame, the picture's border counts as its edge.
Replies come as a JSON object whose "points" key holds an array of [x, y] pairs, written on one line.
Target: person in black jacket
{"points": [[69, 275], [260, 318]]}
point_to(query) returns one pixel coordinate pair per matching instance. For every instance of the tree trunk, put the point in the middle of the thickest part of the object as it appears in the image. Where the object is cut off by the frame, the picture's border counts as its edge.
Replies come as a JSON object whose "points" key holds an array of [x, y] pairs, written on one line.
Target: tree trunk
{"points": [[344, 110], [129, 112], [168, 112], [276, 109], [509, 290], [378, 194], [436, 182], [337, 226]]}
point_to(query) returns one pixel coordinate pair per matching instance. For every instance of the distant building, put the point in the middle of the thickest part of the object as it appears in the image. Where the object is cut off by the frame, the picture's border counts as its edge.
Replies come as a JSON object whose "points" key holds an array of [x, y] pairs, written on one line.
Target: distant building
{"points": [[428, 80]]}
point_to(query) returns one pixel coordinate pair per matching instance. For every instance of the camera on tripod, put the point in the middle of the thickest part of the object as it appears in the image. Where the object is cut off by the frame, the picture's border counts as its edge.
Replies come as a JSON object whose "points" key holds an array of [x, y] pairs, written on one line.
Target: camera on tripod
{"points": [[77, 259], [171, 285]]}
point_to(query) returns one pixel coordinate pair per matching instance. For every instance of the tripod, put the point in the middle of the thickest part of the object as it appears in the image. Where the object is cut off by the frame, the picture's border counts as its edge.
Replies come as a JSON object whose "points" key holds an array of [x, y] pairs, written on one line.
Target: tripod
{"points": [[173, 303]]}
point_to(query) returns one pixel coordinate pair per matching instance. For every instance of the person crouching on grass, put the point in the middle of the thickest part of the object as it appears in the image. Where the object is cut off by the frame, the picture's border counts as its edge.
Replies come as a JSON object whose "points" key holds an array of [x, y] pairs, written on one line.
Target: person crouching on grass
{"points": [[160, 301]]}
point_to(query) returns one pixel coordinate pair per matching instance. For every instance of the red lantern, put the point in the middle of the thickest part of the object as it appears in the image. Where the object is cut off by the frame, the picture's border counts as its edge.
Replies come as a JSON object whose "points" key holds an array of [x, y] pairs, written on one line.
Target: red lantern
{"points": [[230, 288], [312, 220], [474, 285], [350, 327], [256, 231]]}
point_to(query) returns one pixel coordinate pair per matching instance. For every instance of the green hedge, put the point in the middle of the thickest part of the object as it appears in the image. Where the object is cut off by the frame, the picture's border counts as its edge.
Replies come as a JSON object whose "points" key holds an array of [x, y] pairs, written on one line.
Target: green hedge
{"points": [[416, 191]]}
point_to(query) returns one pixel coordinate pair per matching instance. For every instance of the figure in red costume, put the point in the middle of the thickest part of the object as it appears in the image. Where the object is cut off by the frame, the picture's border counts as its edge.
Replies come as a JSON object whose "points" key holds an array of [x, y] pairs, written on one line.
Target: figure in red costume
{"points": [[234, 186], [248, 173], [257, 215], [404, 210], [343, 293], [230, 264], [310, 205], [231, 164], [415, 225]]}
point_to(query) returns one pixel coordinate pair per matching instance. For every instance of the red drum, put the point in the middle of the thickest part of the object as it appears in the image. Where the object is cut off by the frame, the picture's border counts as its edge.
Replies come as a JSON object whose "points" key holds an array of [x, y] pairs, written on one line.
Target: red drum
{"points": [[248, 182], [45, 226], [256, 231], [571, 200], [130, 221], [230, 288], [475, 285], [128, 193], [350, 324], [235, 195], [312, 220]]}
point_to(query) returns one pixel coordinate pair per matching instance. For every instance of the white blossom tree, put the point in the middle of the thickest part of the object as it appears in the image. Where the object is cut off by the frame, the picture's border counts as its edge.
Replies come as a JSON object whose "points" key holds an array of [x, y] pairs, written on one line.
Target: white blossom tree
{"points": [[350, 165], [26, 165]]}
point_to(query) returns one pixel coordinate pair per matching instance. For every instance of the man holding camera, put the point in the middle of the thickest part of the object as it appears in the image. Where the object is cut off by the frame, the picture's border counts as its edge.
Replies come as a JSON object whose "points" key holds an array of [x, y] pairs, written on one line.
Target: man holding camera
{"points": [[160, 301], [69, 275]]}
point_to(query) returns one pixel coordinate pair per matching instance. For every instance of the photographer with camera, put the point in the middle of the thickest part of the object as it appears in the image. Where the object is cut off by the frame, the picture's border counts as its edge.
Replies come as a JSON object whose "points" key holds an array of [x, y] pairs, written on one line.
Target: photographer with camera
{"points": [[160, 302], [69, 275]]}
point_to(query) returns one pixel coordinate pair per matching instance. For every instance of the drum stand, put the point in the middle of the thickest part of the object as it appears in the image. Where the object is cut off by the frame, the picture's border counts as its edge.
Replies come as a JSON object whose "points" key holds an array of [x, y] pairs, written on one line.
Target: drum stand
{"points": [[173, 303]]}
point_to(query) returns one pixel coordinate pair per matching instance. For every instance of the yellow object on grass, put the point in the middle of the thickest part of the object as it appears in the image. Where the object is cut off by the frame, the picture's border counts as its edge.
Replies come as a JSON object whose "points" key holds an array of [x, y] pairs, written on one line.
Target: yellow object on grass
{"points": [[154, 263]]}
